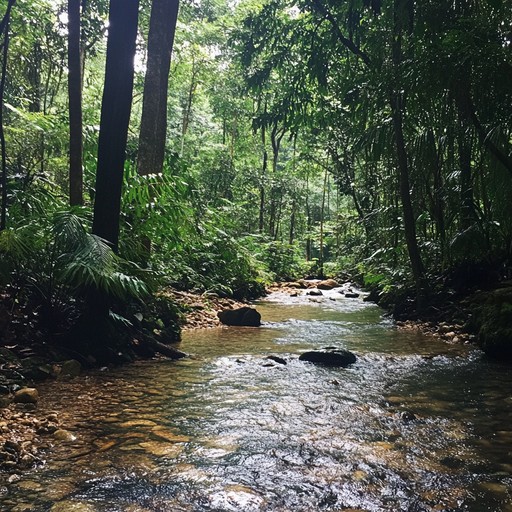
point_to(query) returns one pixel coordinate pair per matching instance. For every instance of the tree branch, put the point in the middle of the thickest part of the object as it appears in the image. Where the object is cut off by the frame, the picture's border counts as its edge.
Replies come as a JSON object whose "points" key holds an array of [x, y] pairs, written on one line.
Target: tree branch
{"points": [[348, 43]]}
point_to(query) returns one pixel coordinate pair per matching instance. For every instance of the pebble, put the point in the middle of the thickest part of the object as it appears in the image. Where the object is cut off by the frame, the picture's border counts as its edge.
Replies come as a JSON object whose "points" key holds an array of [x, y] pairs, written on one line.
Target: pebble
{"points": [[19, 438]]}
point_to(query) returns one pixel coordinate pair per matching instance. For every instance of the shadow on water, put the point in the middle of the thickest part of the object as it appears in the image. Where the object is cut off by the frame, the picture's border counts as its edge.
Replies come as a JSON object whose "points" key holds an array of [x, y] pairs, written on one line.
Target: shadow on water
{"points": [[413, 425]]}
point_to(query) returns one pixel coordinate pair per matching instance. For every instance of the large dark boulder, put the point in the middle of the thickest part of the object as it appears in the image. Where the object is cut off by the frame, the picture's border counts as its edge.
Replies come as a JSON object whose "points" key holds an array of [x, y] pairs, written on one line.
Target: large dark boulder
{"points": [[243, 317], [331, 357], [327, 284]]}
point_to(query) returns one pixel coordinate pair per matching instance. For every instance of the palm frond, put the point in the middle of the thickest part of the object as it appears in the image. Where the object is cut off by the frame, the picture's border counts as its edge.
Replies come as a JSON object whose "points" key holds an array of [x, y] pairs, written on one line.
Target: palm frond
{"points": [[14, 244]]}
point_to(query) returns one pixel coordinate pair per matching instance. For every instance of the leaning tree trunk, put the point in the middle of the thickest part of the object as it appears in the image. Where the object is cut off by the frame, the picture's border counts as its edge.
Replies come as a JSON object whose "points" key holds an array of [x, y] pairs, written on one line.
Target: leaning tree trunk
{"points": [[115, 117], [75, 104], [162, 26]]}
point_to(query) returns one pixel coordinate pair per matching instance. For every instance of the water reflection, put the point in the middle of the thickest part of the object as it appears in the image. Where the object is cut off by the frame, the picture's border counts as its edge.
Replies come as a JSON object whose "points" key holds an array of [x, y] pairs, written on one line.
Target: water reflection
{"points": [[414, 424]]}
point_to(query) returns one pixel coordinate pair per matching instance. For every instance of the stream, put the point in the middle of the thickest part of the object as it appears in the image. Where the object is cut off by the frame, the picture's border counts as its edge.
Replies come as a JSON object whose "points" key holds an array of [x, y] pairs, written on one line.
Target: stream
{"points": [[414, 425]]}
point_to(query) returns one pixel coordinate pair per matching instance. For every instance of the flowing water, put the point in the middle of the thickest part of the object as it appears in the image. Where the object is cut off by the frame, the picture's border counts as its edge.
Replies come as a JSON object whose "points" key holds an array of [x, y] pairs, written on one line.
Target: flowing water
{"points": [[414, 425]]}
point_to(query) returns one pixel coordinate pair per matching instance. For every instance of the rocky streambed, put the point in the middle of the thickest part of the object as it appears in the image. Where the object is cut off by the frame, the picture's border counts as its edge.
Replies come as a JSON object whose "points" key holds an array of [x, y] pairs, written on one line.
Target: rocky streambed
{"points": [[246, 425], [27, 433], [31, 431]]}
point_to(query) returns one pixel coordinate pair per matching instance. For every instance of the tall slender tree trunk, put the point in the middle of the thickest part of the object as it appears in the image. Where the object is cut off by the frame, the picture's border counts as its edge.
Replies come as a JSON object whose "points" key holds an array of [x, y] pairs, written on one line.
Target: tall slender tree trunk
{"points": [[467, 214], [291, 233], [4, 31], [153, 128], [438, 196], [34, 78], [461, 93], [322, 214], [264, 166], [115, 118], [187, 110], [75, 105], [308, 221], [276, 136], [397, 104]]}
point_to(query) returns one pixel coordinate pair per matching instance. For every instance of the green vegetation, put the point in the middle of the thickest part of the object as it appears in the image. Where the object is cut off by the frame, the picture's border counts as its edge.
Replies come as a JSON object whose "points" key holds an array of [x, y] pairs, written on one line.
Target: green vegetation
{"points": [[290, 138]]}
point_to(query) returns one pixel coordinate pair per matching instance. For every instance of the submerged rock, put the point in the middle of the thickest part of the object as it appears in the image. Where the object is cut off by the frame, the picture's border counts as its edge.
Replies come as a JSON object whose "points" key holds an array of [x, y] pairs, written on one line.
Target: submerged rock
{"points": [[72, 506], [351, 295], [314, 292], [332, 357], [242, 317], [277, 359]]}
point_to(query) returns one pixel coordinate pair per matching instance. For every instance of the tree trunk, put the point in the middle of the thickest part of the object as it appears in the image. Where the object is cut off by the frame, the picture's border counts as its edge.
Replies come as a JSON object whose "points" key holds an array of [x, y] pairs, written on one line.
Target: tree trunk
{"points": [[276, 136], [397, 104], [153, 128], [438, 196], [462, 98], [4, 31], [291, 233], [187, 110], [75, 105], [115, 118], [467, 214], [322, 212], [262, 180], [34, 78], [308, 221]]}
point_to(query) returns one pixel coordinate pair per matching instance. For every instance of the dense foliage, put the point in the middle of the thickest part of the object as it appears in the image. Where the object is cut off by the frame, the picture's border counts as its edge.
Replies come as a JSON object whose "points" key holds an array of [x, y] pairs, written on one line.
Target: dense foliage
{"points": [[302, 138]]}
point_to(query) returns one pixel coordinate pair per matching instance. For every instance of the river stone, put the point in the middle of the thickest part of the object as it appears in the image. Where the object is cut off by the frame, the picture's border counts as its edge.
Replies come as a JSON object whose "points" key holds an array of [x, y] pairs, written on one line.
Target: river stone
{"points": [[64, 435], [70, 369], [336, 357], [30, 485], [243, 317], [314, 292], [327, 284], [351, 295], [277, 359], [162, 449], [5, 401], [138, 423], [168, 435], [26, 396], [72, 506]]}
